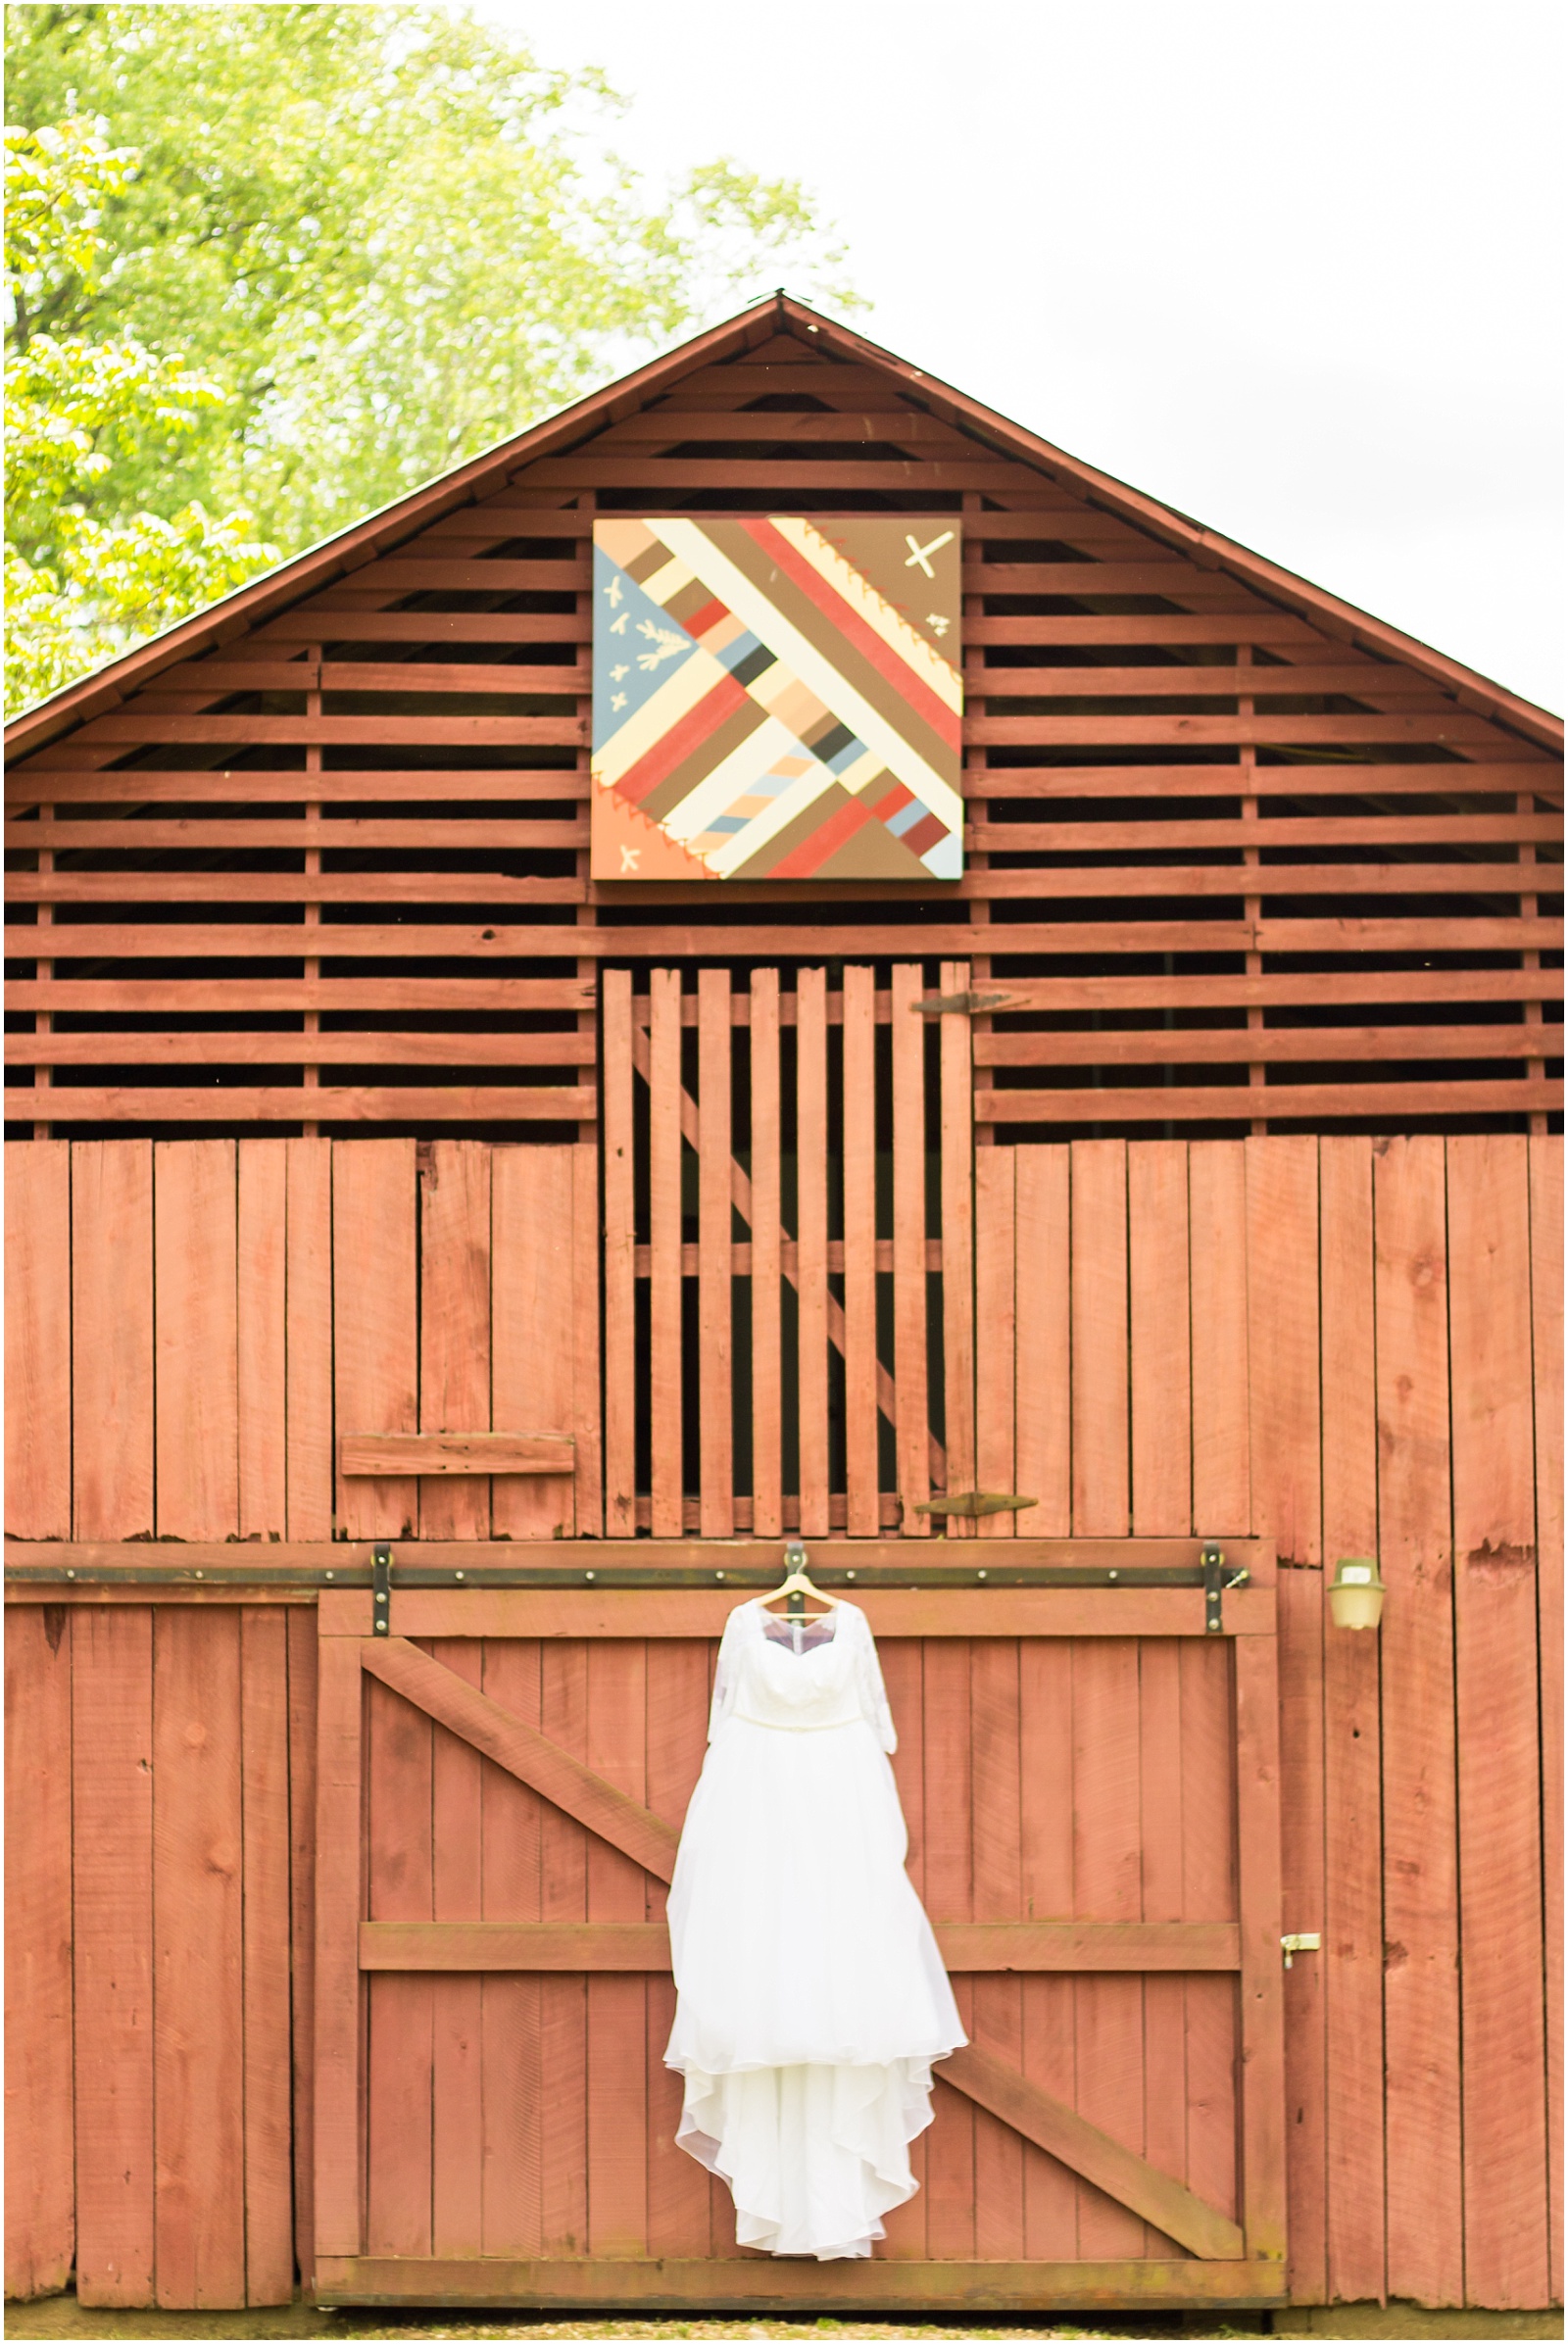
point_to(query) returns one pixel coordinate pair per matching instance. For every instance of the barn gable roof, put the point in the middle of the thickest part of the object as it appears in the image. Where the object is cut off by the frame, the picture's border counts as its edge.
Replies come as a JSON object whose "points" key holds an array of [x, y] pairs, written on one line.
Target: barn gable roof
{"points": [[337, 558]]}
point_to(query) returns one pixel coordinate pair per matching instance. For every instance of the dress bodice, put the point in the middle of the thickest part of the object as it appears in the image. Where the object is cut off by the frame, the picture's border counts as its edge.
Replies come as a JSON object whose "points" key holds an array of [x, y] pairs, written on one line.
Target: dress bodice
{"points": [[789, 1674]]}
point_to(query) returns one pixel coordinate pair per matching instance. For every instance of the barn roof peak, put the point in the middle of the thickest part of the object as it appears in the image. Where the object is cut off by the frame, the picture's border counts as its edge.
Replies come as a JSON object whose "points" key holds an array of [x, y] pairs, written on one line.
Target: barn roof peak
{"points": [[780, 315]]}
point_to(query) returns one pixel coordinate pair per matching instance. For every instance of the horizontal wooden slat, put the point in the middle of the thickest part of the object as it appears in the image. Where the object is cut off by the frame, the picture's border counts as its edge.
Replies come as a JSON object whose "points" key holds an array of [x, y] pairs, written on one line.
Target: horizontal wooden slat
{"points": [[299, 1050], [145, 785], [348, 732], [1107, 883], [964, 1945], [1272, 1045], [740, 1255], [1130, 2179], [878, 2286], [474, 1609], [353, 676], [430, 573], [1452, 730], [247, 834], [327, 619], [1279, 1102], [760, 1555], [394, 1453], [676, 421], [1255, 624], [246, 1102], [1272, 989], [474, 995], [661, 476], [1291, 779], [1226, 833], [760, 941], [991, 684]]}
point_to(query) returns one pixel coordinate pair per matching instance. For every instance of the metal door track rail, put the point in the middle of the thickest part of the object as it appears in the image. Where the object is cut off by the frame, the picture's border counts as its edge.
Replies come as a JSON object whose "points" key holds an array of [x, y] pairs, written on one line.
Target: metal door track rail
{"points": [[1210, 1573]]}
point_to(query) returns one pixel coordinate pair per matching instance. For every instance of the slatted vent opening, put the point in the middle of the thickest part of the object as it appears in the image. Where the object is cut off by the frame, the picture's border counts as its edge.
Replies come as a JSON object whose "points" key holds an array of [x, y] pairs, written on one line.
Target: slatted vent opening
{"points": [[1224, 870]]}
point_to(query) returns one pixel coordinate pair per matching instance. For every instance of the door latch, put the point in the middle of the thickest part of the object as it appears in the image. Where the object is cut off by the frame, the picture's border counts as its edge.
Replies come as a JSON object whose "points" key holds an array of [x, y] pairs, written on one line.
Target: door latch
{"points": [[1215, 1581], [1300, 1941], [381, 1589]]}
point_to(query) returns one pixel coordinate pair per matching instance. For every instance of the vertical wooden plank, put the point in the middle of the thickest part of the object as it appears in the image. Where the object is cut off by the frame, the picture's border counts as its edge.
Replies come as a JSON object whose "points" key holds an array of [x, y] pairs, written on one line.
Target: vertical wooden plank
{"points": [[678, 2197], [533, 1328], [1420, 1856], [511, 1820], [947, 1840], [1263, 2057], [617, 2004], [1209, 1893], [38, 1317], [339, 2223], [664, 1233], [261, 1245], [903, 1676], [1285, 1475], [995, 1314], [863, 1511], [1043, 1285], [457, 2112], [1159, 1315], [302, 1724], [564, 2001], [1352, 1793], [454, 1326], [1045, 1843], [1163, 1891], [767, 1223], [587, 1407], [1216, 1188], [997, 2001], [1101, 1491], [196, 1339], [112, 1337], [198, 1948], [308, 1337], [40, 2159], [376, 1322], [1107, 1886], [909, 1336], [1161, 1320], [1501, 1975], [1545, 1304], [400, 2061], [620, 1242], [810, 1151], [957, 1243], [111, 1894], [264, 1792], [715, 1176]]}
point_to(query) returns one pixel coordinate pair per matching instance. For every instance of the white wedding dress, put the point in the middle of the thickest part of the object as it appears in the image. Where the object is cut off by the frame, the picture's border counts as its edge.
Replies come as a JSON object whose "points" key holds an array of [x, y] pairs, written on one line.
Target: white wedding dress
{"points": [[811, 1996]]}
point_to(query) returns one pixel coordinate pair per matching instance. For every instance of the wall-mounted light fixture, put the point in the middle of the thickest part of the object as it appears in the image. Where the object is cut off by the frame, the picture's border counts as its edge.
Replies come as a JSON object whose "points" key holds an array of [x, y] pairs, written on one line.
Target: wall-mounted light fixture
{"points": [[1355, 1597]]}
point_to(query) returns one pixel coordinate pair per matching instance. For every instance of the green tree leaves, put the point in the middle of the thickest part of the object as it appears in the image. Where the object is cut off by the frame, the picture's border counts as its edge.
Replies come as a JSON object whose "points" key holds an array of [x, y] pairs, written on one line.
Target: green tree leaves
{"points": [[381, 238]]}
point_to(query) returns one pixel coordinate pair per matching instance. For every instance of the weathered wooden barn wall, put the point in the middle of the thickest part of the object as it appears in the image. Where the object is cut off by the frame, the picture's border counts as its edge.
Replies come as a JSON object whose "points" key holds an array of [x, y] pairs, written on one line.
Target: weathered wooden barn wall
{"points": [[1349, 1343]]}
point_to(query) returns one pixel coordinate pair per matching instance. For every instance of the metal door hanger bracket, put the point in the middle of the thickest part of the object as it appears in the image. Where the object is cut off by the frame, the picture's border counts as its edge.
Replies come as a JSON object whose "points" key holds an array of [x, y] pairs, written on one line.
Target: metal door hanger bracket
{"points": [[381, 1589], [1216, 1579]]}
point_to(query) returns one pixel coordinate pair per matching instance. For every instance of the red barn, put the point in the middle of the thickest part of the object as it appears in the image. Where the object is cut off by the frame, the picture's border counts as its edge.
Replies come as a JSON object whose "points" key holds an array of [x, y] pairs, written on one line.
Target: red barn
{"points": [[439, 1278]]}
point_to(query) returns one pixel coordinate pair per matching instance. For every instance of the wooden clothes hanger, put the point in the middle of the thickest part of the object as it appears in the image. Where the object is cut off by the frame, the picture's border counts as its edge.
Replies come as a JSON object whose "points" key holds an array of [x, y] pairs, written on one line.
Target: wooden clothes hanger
{"points": [[796, 1585]]}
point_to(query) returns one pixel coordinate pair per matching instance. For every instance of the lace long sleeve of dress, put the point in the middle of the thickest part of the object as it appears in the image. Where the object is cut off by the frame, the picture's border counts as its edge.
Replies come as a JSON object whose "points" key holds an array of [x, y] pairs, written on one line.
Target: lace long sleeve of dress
{"points": [[873, 1692], [725, 1674]]}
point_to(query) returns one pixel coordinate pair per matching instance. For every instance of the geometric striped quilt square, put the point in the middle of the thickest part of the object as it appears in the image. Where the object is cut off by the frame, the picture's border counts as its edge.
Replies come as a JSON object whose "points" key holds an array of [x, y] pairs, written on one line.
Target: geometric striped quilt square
{"points": [[778, 698]]}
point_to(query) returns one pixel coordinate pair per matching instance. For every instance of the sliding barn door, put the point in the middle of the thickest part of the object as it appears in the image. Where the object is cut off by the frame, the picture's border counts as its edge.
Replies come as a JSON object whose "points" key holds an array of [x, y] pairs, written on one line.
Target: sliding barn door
{"points": [[789, 1280], [1090, 1775]]}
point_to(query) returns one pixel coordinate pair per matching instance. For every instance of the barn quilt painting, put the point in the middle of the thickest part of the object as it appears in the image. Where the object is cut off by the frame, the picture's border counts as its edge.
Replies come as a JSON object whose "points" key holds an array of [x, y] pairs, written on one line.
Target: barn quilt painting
{"points": [[778, 698]]}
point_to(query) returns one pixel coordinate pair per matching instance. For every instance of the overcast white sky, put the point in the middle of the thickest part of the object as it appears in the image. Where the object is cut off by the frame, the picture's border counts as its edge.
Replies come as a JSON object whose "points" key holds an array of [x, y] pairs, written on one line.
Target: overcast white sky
{"points": [[1297, 270]]}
